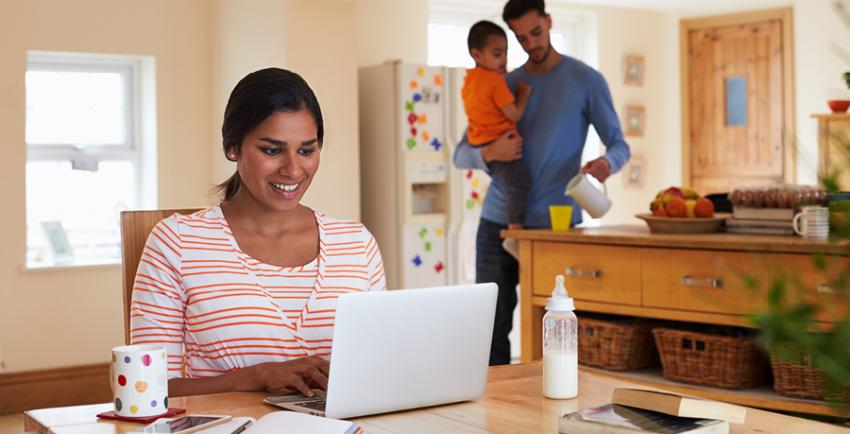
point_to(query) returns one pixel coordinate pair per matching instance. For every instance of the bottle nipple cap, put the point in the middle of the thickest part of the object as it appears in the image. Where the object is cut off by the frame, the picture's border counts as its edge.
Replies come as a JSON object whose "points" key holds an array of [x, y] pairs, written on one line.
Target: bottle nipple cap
{"points": [[560, 300]]}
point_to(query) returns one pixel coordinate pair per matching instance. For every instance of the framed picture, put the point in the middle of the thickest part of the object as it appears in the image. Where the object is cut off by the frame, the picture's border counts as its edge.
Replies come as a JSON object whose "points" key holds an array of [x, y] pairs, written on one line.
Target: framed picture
{"points": [[633, 66], [634, 172], [635, 120], [57, 241]]}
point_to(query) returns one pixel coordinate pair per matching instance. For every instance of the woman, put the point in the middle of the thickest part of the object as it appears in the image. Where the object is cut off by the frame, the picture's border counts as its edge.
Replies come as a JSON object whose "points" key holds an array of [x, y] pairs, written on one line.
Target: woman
{"points": [[243, 294]]}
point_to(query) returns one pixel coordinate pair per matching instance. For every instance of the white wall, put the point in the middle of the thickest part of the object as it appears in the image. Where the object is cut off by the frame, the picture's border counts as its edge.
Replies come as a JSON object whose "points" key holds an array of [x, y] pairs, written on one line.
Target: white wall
{"points": [[392, 30]]}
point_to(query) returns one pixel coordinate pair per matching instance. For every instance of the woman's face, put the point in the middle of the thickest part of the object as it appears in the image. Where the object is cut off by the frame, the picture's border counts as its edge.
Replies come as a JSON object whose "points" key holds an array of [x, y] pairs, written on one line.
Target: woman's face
{"points": [[278, 159]]}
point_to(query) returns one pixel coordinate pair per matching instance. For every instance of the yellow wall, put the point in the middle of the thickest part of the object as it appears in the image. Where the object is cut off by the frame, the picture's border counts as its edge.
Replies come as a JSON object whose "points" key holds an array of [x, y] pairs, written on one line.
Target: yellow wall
{"points": [[60, 317], [327, 59]]}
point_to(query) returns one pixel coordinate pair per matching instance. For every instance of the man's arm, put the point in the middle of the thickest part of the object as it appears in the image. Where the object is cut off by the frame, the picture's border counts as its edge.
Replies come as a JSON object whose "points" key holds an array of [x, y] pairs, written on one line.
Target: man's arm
{"points": [[505, 148], [604, 119]]}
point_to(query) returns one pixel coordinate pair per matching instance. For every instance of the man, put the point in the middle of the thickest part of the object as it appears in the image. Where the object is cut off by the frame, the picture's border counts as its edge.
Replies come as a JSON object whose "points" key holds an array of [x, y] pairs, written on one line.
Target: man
{"points": [[568, 97]]}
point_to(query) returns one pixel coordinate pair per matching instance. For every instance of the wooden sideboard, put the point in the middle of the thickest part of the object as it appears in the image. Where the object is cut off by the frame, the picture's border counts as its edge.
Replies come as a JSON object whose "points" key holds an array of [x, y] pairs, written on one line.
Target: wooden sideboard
{"points": [[698, 278], [833, 146]]}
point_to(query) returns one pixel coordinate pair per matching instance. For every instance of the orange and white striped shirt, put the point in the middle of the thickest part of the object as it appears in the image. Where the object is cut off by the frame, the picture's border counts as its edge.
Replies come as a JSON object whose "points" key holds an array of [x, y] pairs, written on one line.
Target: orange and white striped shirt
{"points": [[216, 309]]}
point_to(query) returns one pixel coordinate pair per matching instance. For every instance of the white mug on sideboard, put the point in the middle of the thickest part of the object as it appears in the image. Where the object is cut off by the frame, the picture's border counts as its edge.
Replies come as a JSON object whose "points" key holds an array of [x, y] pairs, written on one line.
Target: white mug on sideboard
{"points": [[595, 202], [812, 222], [139, 380]]}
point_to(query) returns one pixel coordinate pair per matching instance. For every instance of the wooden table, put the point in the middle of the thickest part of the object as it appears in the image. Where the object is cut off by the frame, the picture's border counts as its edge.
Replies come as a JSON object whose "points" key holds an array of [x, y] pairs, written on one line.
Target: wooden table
{"points": [[699, 278], [512, 403]]}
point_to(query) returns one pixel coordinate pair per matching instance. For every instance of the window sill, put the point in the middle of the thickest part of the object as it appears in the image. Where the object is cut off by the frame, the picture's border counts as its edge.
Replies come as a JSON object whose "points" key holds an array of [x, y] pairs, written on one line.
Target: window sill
{"points": [[80, 264]]}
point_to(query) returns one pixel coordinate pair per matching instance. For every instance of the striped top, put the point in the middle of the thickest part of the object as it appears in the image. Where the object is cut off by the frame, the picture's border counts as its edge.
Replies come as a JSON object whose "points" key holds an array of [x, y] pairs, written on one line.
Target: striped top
{"points": [[216, 309]]}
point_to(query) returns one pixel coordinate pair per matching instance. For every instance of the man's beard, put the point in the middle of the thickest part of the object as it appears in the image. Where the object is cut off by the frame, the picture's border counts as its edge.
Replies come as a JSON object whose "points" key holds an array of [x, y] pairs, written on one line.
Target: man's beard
{"points": [[545, 56]]}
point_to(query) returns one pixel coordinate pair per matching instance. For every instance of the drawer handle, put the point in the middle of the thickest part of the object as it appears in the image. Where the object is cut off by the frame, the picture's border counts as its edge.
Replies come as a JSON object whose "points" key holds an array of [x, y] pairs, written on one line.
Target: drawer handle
{"points": [[826, 289], [709, 283], [575, 272]]}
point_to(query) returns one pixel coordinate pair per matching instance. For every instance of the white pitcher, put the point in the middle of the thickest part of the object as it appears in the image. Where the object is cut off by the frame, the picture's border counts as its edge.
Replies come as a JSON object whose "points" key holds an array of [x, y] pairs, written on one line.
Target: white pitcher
{"points": [[595, 202]]}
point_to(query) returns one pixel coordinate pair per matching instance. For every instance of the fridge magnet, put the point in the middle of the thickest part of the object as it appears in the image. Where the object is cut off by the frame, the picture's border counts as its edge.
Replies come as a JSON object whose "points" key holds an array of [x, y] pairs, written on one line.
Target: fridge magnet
{"points": [[414, 84], [634, 172], [57, 240], [411, 118], [438, 79], [470, 204], [635, 120], [634, 70], [423, 232], [417, 261], [417, 97], [438, 232], [438, 267], [428, 246], [468, 173], [420, 71], [423, 119], [411, 143], [408, 106], [425, 135], [413, 132], [436, 144]]}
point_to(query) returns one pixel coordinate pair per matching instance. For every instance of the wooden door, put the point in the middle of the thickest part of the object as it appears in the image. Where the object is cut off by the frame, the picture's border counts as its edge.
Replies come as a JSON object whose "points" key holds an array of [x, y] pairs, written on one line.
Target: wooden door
{"points": [[736, 105]]}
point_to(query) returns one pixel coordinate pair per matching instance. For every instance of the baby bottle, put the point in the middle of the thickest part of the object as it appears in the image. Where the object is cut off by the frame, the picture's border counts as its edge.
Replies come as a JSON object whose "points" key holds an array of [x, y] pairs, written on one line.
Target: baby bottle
{"points": [[560, 345]]}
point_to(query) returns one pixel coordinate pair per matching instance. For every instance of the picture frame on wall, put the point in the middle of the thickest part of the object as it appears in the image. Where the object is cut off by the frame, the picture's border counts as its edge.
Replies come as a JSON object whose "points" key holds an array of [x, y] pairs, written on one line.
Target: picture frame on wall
{"points": [[635, 120], [634, 69], [634, 173]]}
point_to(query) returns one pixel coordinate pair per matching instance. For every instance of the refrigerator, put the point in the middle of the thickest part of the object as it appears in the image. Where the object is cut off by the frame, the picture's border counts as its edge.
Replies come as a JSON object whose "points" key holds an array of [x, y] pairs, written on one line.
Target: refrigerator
{"points": [[422, 211]]}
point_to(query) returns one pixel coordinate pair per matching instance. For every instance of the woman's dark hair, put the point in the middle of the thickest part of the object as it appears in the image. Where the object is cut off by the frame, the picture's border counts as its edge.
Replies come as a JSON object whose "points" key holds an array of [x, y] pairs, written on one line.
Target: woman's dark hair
{"points": [[256, 97], [517, 8], [480, 31]]}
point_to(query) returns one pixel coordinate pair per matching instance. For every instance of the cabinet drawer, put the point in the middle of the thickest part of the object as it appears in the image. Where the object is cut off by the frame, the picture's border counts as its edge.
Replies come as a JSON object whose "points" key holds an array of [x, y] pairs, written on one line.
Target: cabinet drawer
{"points": [[704, 281], [805, 281], [592, 272]]}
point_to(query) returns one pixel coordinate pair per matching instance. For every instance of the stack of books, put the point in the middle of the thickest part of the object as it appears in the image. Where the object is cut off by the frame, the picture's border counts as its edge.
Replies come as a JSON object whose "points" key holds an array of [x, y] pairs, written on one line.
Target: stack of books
{"points": [[645, 411], [761, 221]]}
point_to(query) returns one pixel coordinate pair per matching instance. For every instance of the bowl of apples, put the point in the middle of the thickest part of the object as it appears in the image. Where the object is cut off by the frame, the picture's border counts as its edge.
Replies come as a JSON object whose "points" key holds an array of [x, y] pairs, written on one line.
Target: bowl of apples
{"points": [[681, 210]]}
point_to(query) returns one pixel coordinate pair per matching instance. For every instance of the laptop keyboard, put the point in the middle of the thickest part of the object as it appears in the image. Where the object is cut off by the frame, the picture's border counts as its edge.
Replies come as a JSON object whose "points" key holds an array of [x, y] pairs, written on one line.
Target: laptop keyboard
{"points": [[313, 405]]}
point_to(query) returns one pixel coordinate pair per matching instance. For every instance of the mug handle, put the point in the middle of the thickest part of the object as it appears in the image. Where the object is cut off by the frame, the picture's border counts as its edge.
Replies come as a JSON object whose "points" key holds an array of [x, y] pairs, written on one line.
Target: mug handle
{"points": [[794, 223]]}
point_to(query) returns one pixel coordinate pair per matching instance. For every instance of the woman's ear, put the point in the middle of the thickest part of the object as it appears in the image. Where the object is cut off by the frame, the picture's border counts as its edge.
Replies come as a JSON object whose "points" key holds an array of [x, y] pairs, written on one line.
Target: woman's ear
{"points": [[231, 153]]}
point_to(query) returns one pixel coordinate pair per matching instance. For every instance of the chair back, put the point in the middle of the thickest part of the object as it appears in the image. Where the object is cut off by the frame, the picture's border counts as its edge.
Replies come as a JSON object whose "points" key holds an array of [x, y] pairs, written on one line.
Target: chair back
{"points": [[135, 228]]}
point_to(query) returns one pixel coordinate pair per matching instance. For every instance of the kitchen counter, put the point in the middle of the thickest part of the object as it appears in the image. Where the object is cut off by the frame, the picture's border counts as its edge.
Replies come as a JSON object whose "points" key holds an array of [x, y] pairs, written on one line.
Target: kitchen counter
{"points": [[716, 278]]}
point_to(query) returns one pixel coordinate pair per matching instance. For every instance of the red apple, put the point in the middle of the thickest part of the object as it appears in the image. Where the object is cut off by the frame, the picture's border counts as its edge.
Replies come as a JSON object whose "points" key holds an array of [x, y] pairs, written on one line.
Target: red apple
{"points": [[677, 208], [704, 208]]}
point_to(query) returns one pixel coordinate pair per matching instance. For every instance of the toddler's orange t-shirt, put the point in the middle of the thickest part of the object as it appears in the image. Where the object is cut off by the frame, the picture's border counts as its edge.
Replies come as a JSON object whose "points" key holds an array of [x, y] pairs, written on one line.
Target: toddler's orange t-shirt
{"points": [[484, 93]]}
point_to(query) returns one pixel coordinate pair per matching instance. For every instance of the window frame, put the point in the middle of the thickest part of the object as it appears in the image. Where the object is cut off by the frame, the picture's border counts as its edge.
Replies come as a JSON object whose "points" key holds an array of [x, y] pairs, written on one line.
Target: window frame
{"points": [[138, 146]]}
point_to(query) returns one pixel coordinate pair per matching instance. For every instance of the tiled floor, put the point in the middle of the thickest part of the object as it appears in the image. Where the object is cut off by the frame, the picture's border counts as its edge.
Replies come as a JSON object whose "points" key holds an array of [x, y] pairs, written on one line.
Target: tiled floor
{"points": [[12, 424]]}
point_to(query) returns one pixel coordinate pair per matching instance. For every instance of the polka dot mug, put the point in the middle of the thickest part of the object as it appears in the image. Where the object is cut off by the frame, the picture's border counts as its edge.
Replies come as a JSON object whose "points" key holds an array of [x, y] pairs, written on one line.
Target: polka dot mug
{"points": [[139, 380]]}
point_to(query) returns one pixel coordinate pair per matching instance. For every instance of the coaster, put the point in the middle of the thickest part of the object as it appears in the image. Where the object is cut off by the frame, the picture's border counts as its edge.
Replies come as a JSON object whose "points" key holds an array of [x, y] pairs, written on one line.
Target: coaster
{"points": [[110, 415]]}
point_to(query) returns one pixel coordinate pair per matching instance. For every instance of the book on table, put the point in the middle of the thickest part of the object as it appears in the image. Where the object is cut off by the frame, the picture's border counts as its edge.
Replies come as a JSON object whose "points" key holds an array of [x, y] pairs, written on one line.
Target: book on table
{"points": [[619, 419], [284, 422], [675, 405]]}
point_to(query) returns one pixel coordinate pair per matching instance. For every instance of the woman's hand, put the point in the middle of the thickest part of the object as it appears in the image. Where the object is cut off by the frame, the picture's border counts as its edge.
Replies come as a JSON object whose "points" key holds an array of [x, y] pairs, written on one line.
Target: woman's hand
{"points": [[301, 374], [506, 148]]}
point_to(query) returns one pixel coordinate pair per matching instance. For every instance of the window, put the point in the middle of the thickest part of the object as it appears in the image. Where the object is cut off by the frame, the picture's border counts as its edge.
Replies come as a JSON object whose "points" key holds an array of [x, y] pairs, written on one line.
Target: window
{"points": [[86, 144], [449, 22]]}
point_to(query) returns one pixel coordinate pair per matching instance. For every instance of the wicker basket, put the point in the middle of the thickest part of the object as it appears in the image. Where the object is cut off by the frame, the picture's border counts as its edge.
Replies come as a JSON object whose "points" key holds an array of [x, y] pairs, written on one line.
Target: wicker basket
{"points": [[714, 360], [799, 379], [617, 344]]}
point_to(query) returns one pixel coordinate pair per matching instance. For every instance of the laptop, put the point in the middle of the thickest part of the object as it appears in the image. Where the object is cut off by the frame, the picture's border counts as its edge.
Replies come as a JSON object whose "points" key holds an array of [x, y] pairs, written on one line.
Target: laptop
{"points": [[402, 349]]}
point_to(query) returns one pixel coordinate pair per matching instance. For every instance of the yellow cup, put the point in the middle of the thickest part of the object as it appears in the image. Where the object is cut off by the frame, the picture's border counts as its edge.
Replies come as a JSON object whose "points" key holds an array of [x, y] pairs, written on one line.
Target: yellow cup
{"points": [[561, 216]]}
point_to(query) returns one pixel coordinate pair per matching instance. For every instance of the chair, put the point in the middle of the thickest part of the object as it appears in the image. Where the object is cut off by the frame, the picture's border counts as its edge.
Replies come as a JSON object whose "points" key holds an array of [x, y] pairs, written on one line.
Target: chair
{"points": [[135, 227]]}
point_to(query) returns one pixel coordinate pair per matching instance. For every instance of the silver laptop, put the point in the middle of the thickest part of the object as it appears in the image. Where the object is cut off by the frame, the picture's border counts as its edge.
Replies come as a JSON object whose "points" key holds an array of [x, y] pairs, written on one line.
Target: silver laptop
{"points": [[402, 349]]}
